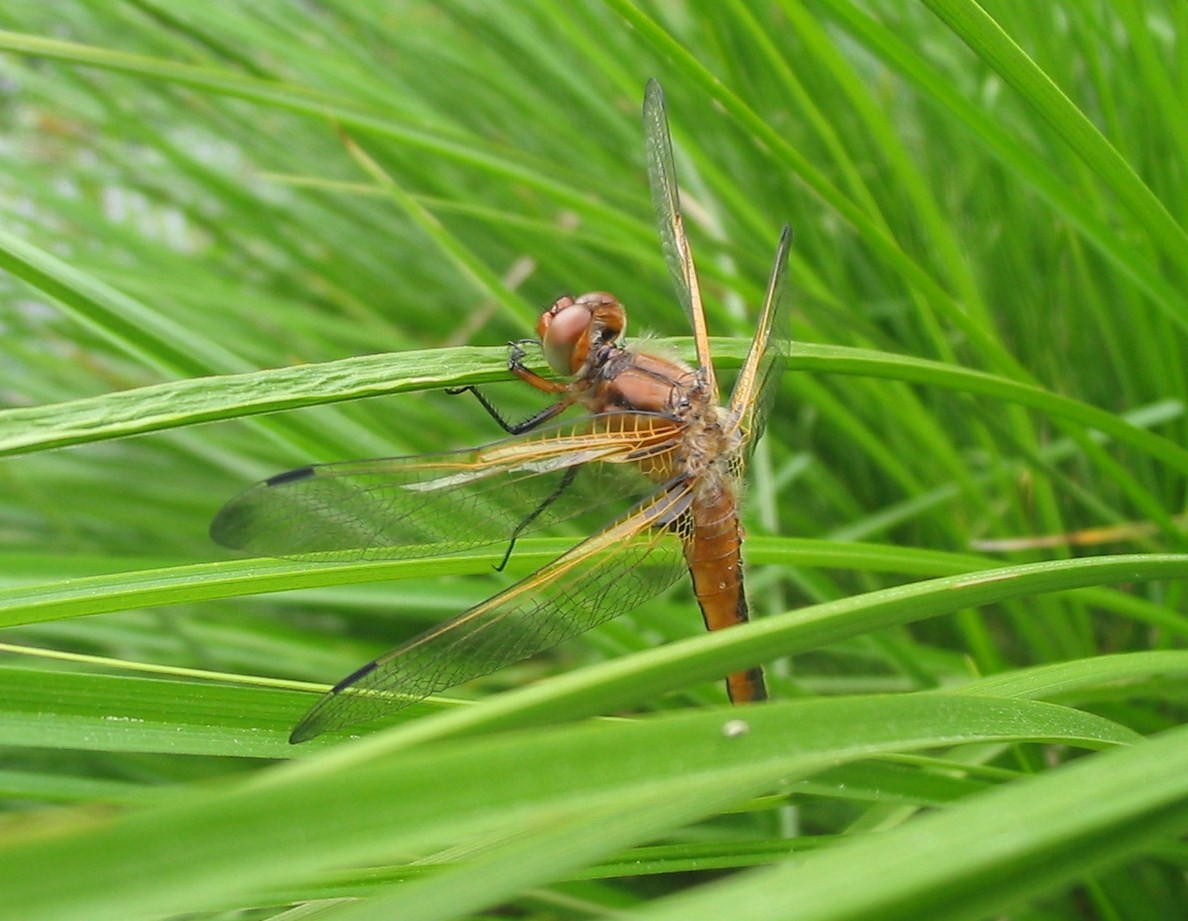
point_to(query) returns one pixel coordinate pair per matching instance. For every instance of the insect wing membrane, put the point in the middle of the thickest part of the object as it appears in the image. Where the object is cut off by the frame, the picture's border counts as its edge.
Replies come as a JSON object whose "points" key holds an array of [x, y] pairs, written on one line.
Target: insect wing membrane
{"points": [[612, 572], [404, 507], [754, 390], [673, 241]]}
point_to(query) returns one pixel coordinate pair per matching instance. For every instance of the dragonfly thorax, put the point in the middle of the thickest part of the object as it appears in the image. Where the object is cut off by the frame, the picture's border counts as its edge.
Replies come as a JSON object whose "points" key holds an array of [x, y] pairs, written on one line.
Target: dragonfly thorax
{"points": [[709, 441]]}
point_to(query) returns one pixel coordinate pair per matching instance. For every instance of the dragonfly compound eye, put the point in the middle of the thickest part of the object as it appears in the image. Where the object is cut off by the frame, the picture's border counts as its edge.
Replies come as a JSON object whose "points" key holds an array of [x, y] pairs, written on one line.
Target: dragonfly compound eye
{"points": [[565, 335]]}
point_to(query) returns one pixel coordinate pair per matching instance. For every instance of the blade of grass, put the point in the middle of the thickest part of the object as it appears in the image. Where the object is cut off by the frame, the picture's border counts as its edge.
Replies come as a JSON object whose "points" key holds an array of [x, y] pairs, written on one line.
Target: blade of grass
{"points": [[187, 858], [977, 859]]}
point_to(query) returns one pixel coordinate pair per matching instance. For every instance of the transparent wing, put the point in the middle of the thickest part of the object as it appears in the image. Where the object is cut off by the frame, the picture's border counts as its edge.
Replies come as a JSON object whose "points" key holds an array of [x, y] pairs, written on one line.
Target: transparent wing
{"points": [[753, 391], [673, 242], [405, 507], [617, 569]]}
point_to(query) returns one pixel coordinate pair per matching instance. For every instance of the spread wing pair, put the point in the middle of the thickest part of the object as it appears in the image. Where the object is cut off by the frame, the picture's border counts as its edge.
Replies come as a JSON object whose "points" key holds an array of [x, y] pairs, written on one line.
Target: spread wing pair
{"points": [[408, 507]]}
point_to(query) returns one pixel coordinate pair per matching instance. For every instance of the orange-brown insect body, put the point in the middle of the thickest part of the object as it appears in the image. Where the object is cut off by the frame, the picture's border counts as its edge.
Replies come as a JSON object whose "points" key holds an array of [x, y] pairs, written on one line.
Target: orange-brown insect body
{"points": [[644, 411], [579, 338]]}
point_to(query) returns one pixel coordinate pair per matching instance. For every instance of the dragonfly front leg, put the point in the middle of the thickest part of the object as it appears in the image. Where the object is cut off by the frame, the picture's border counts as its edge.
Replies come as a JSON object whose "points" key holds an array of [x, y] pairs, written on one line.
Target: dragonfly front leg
{"points": [[512, 428], [515, 364]]}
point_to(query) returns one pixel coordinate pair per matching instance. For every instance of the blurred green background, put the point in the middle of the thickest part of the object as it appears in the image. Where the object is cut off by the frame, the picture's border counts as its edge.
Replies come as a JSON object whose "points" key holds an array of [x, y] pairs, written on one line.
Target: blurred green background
{"points": [[988, 303]]}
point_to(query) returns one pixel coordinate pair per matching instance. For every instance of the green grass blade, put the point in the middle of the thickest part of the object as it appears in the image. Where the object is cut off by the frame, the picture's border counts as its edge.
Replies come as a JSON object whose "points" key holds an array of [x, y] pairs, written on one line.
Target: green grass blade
{"points": [[979, 858]]}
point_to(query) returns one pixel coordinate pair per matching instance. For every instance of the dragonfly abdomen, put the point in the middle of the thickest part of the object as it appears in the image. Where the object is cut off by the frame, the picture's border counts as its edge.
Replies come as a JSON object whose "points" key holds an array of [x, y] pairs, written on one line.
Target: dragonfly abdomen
{"points": [[713, 552]]}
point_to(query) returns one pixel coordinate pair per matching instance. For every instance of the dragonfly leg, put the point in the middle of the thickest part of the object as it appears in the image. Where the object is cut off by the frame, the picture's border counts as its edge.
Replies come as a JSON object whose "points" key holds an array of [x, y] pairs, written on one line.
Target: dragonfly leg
{"points": [[515, 364], [566, 481], [512, 428]]}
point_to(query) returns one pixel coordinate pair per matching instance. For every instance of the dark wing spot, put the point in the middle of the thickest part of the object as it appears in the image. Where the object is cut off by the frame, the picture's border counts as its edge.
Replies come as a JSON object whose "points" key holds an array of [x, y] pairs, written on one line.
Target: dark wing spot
{"points": [[289, 476], [354, 676]]}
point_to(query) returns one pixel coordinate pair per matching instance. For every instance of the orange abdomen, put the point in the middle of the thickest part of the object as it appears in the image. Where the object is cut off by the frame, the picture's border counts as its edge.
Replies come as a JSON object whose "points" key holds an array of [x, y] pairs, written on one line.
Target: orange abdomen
{"points": [[715, 563]]}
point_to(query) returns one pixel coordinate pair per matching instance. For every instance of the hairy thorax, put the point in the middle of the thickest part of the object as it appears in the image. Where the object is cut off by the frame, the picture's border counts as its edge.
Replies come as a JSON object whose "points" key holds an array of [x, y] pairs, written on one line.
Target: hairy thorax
{"points": [[628, 381]]}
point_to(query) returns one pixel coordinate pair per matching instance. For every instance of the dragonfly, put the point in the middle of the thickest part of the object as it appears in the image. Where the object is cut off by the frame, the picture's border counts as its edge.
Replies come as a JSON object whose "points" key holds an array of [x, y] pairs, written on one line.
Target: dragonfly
{"points": [[654, 437]]}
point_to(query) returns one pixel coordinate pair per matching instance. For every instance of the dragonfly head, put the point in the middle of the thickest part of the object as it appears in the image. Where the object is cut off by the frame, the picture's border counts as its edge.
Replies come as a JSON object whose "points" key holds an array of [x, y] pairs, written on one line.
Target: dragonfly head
{"points": [[574, 330]]}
